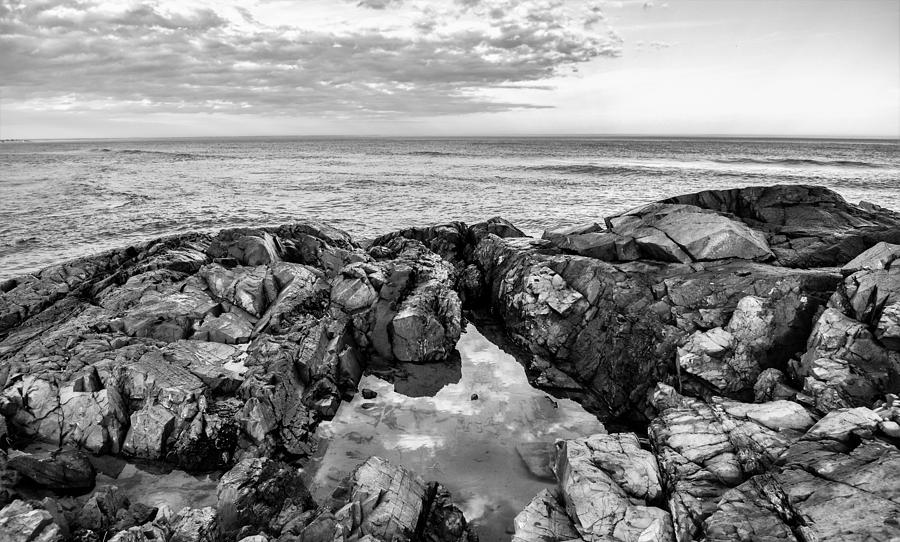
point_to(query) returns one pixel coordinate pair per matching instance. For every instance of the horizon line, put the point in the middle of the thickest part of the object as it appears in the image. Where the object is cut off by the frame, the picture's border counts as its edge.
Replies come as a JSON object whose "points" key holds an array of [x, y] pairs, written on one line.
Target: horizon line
{"points": [[470, 136]]}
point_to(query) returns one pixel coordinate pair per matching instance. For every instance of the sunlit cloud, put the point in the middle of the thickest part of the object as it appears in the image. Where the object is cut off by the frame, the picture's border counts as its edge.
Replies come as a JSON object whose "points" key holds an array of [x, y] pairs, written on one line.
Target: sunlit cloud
{"points": [[369, 58]]}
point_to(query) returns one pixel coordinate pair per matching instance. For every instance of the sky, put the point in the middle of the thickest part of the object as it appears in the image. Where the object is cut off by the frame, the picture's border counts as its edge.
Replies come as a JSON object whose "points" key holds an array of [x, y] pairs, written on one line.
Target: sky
{"points": [[162, 68]]}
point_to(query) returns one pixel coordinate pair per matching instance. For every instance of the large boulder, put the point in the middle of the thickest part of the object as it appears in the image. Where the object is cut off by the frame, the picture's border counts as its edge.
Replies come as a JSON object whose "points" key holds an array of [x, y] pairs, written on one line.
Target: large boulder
{"points": [[388, 503], [403, 306], [686, 233], [62, 470], [805, 226], [22, 522], [253, 493]]}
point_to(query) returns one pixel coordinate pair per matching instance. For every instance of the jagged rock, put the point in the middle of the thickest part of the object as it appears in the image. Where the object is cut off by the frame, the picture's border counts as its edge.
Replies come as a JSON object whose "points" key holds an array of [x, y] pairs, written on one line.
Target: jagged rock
{"points": [[142, 533], [731, 359], [839, 424], [844, 364], [685, 233], [246, 246], [706, 449], [194, 525], [881, 256], [403, 307], [606, 483], [65, 469], [208, 361], [249, 288], [386, 502], [150, 428], [441, 520], [805, 226], [101, 511], [614, 328], [392, 497], [544, 520], [254, 492], [772, 385], [21, 522], [167, 316], [229, 328]]}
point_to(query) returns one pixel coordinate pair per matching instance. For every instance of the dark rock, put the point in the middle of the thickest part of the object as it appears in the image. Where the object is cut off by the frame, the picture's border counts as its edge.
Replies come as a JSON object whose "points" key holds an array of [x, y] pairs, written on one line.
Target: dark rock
{"points": [[368, 394], [254, 492], [62, 470], [806, 226]]}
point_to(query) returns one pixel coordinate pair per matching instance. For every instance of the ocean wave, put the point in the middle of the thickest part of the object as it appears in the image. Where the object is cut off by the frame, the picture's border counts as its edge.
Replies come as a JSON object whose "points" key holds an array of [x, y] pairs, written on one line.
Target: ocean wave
{"points": [[432, 153], [169, 154], [798, 162], [585, 169]]}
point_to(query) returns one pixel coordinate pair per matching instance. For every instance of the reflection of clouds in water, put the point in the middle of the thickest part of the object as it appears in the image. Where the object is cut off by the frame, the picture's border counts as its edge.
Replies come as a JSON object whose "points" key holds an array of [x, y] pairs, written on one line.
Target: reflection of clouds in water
{"points": [[475, 507], [467, 445], [417, 442], [176, 489]]}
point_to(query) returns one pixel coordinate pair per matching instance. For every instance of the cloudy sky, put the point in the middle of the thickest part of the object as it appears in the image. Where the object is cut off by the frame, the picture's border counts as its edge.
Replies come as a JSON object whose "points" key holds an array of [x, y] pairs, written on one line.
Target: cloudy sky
{"points": [[124, 68]]}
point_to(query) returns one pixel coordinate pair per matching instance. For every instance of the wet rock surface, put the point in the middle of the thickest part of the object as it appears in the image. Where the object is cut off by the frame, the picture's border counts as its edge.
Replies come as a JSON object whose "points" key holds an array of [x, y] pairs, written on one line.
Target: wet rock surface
{"points": [[755, 333]]}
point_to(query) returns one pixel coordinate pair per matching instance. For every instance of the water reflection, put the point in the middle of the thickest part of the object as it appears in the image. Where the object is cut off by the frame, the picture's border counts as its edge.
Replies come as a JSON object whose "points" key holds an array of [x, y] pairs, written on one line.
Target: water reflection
{"points": [[468, 445]]}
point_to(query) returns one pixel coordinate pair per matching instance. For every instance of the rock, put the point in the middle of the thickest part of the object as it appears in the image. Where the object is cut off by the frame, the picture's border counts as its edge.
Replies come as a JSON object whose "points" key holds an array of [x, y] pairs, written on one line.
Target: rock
{"points": [[208, 361], [21, 522], [101, 511], [247, 246], [443, 520], [243, 287], [772, 385], [229, 328], [805, 226], [253, 493], [62, 470], [168, 316], [840, 424], [685, 233], [150, 428], [368, 394], [606, 483], [392, 497], [194, 525], [706, 449], [544, 520], [881, 256], [844, 364], [614, 328], [403, 307]]}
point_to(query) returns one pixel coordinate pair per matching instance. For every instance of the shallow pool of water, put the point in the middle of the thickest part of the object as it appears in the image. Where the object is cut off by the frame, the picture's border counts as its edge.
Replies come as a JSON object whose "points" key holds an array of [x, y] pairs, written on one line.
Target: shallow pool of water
{"points": [[468, 445]]}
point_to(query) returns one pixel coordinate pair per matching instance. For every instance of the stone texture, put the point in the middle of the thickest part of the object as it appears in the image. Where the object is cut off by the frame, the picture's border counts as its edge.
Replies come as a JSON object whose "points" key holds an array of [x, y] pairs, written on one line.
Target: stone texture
{"points": [[21, 522], [63, 470]]}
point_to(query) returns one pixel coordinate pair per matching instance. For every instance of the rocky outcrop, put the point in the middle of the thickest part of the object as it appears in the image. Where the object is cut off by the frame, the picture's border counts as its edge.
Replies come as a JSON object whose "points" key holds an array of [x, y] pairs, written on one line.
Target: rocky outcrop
{"points": [[852, 355], [769, 471], [225, 351], [805, 226], [390, 503], [403, 305], [199, 349], [607, 490]]}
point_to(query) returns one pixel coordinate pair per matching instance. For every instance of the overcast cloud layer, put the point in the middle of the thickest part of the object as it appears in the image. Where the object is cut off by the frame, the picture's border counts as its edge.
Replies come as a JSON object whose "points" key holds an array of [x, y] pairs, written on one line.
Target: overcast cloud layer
{"points": [[374, 58]]}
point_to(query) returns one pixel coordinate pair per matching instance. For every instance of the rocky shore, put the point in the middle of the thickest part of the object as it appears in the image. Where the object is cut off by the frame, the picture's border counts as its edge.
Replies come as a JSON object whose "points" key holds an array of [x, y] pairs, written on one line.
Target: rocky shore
{"points": [[745, 344]]}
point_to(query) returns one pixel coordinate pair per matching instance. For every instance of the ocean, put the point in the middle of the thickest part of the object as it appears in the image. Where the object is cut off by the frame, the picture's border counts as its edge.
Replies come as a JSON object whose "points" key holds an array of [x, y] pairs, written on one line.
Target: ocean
{"points": [[64, 199]]}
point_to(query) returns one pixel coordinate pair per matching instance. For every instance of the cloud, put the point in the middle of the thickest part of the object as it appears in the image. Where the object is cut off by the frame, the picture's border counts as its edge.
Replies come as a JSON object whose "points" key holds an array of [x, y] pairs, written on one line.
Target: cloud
{"points": [[414, 58]]}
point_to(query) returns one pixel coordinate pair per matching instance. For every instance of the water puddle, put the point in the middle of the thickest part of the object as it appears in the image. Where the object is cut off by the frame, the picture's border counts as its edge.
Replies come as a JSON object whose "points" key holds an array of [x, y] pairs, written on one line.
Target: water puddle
{"points": [[469, 445]]}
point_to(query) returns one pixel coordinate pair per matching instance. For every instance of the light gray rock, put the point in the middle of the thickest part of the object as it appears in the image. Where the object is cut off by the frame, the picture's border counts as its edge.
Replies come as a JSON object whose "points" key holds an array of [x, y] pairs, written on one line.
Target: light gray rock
{"points": [[605, 482], [21, 522], [544, 520]]}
